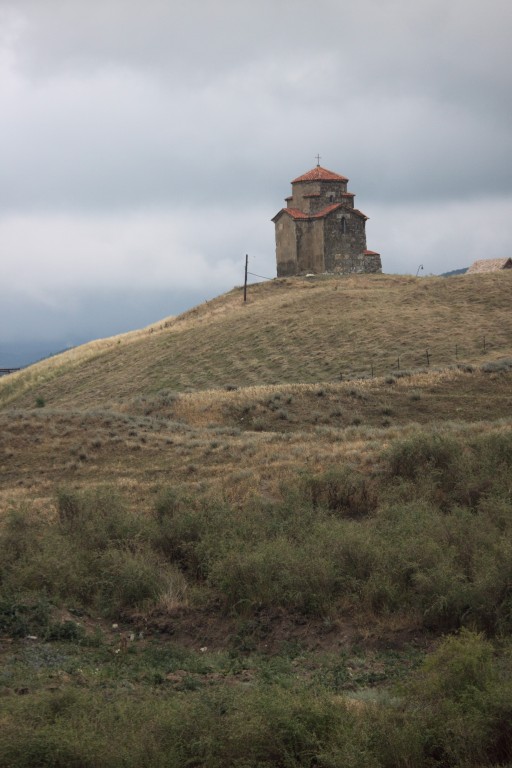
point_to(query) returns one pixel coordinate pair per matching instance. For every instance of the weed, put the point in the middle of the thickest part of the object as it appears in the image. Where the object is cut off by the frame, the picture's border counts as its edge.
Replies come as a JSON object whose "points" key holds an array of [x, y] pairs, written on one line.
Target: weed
{"points": [[413, 457], [342, 491], [24, 614], [497, 366]]}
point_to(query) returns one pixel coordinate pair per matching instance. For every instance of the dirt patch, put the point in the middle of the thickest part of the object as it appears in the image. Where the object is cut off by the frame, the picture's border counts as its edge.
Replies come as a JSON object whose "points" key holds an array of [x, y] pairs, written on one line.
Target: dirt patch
{"points": [[273, 632]]}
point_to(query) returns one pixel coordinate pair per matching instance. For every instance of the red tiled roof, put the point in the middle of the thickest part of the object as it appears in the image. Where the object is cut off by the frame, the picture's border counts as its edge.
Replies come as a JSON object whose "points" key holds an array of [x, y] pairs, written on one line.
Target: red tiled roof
{"points": [[326, 211], [320, 174], [295, 213], [371, 253], [346, 194]]}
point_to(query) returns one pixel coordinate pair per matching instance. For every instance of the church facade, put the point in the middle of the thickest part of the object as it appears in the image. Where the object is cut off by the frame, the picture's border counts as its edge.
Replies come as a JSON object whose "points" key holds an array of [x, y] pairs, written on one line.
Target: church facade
{"points": [[320, 230]]}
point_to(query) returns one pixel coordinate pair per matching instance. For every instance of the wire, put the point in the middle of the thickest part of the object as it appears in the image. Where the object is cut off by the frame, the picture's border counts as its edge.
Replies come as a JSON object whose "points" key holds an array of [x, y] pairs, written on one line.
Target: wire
{"points": [[262, 276]]}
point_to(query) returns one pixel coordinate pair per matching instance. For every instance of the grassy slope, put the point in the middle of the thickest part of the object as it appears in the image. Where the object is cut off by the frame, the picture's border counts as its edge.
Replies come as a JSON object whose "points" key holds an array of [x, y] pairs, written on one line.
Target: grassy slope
{"points": [[107, 422], [106, 419], [290, 331]]}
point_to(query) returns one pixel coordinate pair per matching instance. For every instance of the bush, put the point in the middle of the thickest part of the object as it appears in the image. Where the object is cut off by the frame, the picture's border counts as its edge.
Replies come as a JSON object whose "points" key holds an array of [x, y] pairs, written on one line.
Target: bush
{"points": [[342, 491], [127, 579], [261, 727], [275, 573], [97, 553], [450, 695], [98, 518], [22, 615], [423, 454], [179, 529]]}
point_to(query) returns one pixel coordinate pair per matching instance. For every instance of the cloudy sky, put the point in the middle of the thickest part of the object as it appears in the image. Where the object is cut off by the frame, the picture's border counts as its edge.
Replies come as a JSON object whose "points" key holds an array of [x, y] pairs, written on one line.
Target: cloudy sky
{"points": [[146, 144]]}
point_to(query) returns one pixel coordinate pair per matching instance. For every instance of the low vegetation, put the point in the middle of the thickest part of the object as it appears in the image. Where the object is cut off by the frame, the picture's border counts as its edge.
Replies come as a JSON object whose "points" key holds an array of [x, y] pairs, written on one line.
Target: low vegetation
{"points": [[290, 330], [314, 573], [425, 535], [425, 539]]}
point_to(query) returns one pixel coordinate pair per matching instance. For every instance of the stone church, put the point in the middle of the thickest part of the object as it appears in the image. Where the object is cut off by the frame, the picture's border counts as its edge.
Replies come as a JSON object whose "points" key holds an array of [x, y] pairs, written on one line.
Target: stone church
{"points": [[320, 231]]}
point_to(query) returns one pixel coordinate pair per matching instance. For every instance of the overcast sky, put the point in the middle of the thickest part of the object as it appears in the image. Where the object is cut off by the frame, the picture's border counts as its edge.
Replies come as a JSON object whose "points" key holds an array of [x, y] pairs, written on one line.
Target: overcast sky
{"points": [[146, 144]]}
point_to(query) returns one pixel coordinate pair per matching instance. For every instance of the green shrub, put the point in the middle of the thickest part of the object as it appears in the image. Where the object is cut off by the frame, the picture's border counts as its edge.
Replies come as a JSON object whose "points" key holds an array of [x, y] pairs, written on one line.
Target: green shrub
{"points": [[65, 631], [178, 532], [262, 727], [342, 491], [99, 518], [97, 553], [127, 579], [24, 614], [423, 454], [274, 573], [451, 693]]}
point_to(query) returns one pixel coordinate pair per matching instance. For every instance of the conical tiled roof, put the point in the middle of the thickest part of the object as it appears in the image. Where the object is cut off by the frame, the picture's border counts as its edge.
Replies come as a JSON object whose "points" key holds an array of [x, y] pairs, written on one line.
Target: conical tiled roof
{"points": [[320, 174]]}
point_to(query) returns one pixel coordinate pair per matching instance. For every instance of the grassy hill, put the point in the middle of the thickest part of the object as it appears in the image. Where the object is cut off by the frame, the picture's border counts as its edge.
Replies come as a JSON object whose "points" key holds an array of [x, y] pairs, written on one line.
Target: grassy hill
{"points": [[295, 330], [223, 542]]}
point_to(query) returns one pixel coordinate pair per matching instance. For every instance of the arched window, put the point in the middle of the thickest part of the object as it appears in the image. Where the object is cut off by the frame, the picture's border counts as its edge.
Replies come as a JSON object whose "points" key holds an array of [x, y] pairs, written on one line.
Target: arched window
{"points": [[343, 225]]}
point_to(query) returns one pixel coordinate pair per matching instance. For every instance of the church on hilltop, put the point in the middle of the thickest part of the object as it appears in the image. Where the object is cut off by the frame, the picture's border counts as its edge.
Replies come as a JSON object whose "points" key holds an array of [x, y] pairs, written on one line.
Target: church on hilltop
{"points": [[320, 231]]}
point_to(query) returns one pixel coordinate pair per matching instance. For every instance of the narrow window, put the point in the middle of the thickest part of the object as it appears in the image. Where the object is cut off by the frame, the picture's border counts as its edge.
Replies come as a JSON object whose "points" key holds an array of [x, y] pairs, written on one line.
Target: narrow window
{"points": [[343, 226]]}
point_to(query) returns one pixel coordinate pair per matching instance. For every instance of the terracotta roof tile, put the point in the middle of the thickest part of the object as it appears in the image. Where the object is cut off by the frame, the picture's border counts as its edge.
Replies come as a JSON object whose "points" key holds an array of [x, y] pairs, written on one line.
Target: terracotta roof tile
{"points": [[295, 213], [371, 253], [319, 174], [326, 211]]}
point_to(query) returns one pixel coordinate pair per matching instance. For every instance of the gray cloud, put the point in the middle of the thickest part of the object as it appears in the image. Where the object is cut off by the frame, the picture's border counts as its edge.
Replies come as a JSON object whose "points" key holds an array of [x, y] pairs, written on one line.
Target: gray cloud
{"points": [[150, 143]]}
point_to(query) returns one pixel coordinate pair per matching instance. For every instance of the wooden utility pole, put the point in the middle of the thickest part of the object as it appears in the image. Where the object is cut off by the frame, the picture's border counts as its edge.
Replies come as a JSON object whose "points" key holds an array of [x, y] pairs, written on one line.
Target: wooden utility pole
{"points": [[245, 279]]}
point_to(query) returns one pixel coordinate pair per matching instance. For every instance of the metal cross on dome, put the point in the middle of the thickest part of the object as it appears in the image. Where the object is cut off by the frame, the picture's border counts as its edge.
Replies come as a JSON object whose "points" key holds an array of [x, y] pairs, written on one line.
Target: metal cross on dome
{"points": [[317, 160]]}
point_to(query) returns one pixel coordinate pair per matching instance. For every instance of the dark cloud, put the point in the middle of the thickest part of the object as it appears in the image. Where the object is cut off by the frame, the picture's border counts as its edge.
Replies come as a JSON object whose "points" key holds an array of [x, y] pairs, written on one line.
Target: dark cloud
{"points": [[150, 143]]}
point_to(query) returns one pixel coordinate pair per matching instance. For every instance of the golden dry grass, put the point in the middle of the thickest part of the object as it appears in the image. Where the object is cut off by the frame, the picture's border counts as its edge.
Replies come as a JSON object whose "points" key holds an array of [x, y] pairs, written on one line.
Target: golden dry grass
{"points": [[290, 330], [234, 445], [237, 405], [111, 417]]}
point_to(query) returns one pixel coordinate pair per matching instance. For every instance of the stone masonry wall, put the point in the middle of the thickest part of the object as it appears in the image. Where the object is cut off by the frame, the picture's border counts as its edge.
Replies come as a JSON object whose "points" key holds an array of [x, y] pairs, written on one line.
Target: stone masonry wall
{"points": [[350, 245], [328, 190], [334, 243], [310, 247], [299, 190], [362, 263], [286, 247]]}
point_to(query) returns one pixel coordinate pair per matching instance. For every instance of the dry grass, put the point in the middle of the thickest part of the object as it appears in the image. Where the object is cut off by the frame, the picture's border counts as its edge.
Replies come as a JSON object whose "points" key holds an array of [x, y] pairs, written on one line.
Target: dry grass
{"points": [[113, 416], [237, 460], [234, 445], [291, 330]]}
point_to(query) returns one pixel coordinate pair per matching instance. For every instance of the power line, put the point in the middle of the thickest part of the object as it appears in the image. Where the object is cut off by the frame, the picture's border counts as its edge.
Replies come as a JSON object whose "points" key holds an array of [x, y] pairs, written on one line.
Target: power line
{"points": [[253, 274]]}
